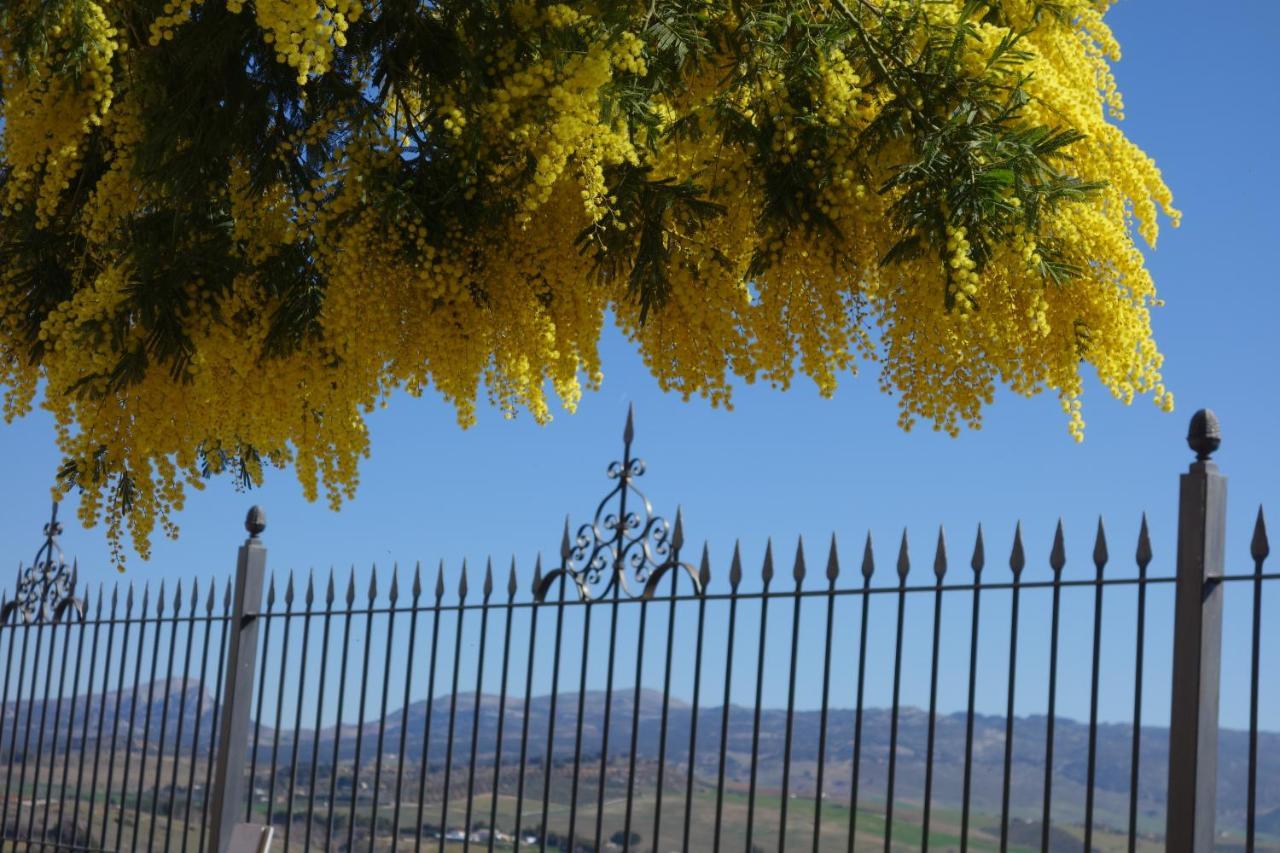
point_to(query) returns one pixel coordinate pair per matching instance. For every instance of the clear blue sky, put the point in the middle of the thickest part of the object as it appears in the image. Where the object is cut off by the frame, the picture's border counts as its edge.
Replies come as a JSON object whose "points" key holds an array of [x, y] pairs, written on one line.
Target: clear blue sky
{"points": [[1202, 98]]}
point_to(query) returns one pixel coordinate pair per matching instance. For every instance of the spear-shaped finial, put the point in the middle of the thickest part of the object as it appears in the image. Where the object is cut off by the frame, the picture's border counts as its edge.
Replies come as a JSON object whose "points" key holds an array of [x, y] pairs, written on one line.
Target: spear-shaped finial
{"points": [[537, 573], [735, 567], [629, 431], [159, 600], [329, 591], [766, 571], [1100, 547], [416, 589], [868, 559], [677, 532], [833, 561], [1058, 556], [271, 591], [351, 588], [439, 582], [462, 582], [565, 550], [904, 558], [1018, 556], [288, 592], [512, 586], [940, 555], [310, 597], [704, 568], [1144, 554], [979, 559], [393, 594], [1260, 547], [798, 570], [488, 578]]}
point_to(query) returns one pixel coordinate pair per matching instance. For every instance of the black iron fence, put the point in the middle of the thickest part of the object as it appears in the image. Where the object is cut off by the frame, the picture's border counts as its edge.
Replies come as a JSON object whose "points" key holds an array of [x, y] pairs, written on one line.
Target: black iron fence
{"points": [[347, 715]]}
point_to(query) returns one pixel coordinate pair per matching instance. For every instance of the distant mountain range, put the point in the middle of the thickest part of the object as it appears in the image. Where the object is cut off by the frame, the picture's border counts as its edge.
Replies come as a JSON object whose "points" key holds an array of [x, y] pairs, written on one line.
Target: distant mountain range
{"points": [[1070, 768]]}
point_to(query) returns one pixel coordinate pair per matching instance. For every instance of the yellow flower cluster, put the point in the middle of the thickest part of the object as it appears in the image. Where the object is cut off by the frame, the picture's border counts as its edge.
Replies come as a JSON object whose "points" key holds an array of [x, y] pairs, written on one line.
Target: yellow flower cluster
{"points": [[512, 305]]}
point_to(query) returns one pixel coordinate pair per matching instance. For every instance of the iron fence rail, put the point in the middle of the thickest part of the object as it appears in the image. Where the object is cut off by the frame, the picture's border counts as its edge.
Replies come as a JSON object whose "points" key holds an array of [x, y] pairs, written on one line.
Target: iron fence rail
{"points": [[110, 734]]}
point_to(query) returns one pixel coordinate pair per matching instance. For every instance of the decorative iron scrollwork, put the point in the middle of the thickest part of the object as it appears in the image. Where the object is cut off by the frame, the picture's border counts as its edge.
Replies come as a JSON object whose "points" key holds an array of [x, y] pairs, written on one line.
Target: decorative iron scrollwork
{"points": [[625, 549], [46, 588]]}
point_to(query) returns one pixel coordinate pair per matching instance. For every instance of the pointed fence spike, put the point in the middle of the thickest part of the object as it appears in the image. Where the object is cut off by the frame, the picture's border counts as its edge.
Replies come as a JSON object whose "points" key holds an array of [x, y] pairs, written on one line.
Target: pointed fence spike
{"points": [[704, 568], [97, 613], [417, 581], [798, 571], [629, 431], [1018, 556], [868, 558], [329, 591], [146, 596], [677, 533], [310, 597], [351, 588], [195, 594], [1100, 546], [393, 595], [159, 600], [904, 557], [565, 550], [512, 586], [537, 573], [208, 605], [940, 554], [1260, 547], [226, 597], [462, 582], [439, 582], [271, 591], [766, 571], [1058, 556], [833, 561], [488, 578], [1144, 554], [373, 583], [288, 590], [177, 597], [979, 560], [115, 595], [735, 567], [128, 598]]}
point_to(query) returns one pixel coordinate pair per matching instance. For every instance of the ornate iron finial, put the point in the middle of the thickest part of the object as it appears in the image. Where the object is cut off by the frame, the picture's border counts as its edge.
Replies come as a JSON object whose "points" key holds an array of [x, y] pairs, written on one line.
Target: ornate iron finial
{"points": [[46, 588], [625, 548], [1204, 435]]}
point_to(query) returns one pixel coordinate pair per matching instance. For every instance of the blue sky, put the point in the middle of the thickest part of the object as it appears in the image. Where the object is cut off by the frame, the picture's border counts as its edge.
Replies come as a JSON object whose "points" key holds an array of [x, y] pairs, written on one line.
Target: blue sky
{"points": [[1201, 98]]}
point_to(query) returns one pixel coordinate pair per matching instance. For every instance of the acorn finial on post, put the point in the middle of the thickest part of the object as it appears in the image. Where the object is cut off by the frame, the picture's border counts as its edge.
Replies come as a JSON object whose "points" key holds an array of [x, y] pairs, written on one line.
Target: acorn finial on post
{"points": [[255, 522], [1204, 436]]}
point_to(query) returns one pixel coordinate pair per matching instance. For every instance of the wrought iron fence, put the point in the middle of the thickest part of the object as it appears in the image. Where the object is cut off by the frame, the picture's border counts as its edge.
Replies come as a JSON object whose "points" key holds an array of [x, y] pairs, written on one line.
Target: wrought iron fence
{"points": [[353, 716]]}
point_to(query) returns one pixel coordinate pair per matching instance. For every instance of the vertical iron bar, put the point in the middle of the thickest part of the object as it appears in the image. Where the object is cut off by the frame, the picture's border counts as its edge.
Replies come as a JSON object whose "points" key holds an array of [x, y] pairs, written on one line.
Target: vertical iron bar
{"points": [[275, 733], [735, 577], [1017, 562], [262, 694], [182, 709], [704, 578], [551, 722], [635, 729], [582, 698], [4, 698], [309, 600], [26, 733], [146, 726], [348, 614], [393, 596], [453, 708], [1143, 558], [115, 717], [242, 655], [404, 705], [502, 705], [977, 563], [868, 568], [1099, 561], [904, 565], [216, 733], [766, 575], [57, 720], [164, 718], [475, 716], [431, 699], [195, 735], [133, 712], [677, 543], [364, 694], [71, 721], [606, 729], [326, 626], [798, 573], [40, 740], [102, 711], [528, 696], [1259, 549], [939, 571], [833, 573], [1057, 559]]}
